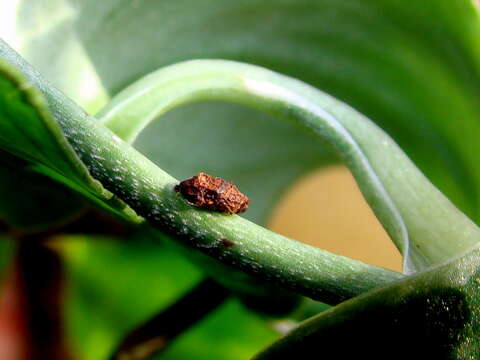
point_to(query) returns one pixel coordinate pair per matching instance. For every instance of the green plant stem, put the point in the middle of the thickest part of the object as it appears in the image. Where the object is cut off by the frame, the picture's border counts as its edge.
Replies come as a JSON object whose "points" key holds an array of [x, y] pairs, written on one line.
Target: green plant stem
{"points": [[255, 250], [149, 191]]}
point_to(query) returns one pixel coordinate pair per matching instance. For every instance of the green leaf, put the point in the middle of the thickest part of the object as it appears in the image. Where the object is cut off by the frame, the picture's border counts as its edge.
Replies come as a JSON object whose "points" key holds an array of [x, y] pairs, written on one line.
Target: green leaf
{"points": [[430, 315], [29, 200], [30, 129]]}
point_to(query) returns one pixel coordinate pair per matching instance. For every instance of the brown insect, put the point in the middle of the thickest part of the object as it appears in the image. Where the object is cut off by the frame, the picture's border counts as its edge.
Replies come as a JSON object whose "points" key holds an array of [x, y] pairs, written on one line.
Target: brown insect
{"points": [[213, 193]]}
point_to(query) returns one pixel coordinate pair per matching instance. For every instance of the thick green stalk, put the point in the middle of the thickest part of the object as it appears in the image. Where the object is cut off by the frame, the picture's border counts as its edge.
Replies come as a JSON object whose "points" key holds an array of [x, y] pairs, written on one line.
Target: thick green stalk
{"points": [[425, 226], [149, 191]]}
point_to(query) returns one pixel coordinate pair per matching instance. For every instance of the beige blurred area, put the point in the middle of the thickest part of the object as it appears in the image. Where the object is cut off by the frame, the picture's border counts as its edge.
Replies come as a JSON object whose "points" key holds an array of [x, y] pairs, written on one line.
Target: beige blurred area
{"points": [[326, 209]]}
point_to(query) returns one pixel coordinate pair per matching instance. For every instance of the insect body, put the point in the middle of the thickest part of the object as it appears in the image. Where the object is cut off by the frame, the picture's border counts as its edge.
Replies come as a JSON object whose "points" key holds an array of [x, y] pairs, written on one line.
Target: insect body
{"points": [[213, 193]]}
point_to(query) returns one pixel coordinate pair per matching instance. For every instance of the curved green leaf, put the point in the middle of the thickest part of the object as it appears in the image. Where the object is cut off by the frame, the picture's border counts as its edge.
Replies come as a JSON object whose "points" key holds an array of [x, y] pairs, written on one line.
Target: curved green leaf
{"points": [[27, 129]]}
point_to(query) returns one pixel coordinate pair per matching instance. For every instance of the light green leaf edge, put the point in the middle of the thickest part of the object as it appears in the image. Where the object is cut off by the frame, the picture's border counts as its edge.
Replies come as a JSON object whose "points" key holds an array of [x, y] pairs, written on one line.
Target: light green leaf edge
{"points": [[63, 159], [149, 191], [426, 227]]}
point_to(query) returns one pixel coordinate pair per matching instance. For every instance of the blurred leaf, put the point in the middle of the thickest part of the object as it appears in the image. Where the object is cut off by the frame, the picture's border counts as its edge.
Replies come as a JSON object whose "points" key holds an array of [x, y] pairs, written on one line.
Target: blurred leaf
{"points": [[114, 286], [411, 67], [50, 25]]}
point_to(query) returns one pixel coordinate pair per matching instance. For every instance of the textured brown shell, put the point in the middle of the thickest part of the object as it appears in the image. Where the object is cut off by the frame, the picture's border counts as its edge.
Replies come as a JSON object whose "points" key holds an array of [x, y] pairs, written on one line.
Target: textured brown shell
{"points": [[213, 193]]}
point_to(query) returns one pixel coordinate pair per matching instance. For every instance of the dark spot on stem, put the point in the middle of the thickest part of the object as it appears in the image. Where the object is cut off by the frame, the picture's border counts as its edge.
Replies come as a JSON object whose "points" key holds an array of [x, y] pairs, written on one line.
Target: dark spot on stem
{"points": [[226, 242]]}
